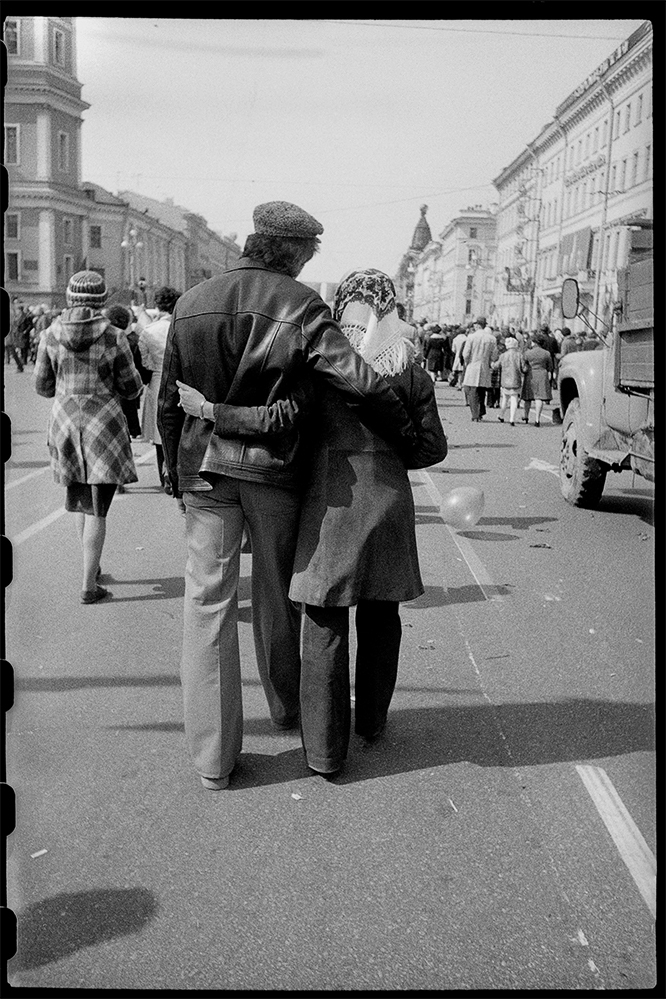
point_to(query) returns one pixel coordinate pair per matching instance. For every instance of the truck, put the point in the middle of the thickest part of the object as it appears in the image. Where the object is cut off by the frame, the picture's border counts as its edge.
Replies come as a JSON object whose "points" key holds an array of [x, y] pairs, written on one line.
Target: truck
{"points": [[607, 394]]}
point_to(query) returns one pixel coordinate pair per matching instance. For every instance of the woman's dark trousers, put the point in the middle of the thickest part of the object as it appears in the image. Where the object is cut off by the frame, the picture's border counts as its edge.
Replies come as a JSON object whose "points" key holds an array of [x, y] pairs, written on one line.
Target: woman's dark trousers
{"points": [[325, 689]]}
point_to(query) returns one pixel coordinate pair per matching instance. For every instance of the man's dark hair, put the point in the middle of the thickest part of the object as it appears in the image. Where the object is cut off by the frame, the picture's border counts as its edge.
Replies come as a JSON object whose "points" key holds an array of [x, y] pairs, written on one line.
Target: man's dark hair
{"points": [[118, 316], [284, 254], [166, 298], [566, 331]]}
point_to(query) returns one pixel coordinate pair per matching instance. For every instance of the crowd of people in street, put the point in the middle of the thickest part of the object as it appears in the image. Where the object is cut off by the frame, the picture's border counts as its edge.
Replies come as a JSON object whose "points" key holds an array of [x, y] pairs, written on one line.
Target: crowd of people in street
{"points": [[498, 367], [281, 428]]}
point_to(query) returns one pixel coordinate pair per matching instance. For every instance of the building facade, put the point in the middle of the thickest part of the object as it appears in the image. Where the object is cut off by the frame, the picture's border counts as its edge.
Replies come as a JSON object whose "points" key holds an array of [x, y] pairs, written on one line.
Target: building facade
{"points": [[453, 276], [55, 224], [565, 201], [45, 219]]}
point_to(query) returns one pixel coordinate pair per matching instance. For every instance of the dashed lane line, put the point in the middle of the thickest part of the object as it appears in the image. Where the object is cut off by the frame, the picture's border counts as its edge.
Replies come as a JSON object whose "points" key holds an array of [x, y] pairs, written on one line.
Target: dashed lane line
{"points": [[480, 573], [38, 526], [626, 835], [24, 478], [52, 517]]}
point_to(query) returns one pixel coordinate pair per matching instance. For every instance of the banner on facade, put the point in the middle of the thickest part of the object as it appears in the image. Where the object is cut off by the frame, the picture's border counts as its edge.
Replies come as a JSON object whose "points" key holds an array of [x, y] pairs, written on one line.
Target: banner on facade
{"points": [[575, 252]]}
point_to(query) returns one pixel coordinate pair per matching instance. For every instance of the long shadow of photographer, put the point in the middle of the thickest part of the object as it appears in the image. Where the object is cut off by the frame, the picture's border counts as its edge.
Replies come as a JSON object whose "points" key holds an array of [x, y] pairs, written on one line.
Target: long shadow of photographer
{"points": [[535, 734], [59, 926]]}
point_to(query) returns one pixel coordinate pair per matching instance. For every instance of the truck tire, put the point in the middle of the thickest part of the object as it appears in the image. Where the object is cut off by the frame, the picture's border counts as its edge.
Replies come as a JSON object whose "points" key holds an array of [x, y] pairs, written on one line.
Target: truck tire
{"points": [[582, 478]]}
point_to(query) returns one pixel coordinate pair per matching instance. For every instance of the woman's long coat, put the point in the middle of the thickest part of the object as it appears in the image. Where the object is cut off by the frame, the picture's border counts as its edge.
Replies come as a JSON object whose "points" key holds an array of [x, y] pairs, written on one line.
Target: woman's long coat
{"points": [[479, 350], [86, 364], [152, 344], [536, 383], [357, 538]]}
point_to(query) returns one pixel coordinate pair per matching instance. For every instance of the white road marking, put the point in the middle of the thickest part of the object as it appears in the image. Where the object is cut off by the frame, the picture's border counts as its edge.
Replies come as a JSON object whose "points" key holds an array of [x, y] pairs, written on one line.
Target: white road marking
{"points": [[481, 575], [38, 526], [24, 478], [626, 835], [52, 517], [543, 466]]}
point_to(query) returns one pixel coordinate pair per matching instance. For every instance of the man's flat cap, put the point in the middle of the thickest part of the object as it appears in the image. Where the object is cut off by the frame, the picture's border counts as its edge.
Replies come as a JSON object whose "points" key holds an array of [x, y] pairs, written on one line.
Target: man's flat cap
{"points": [[281, 218]]}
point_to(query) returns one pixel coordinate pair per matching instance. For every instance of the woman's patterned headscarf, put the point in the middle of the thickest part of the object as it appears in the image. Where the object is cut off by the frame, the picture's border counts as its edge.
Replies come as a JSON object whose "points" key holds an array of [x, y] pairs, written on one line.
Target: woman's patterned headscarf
{"points": [[364, 306]]}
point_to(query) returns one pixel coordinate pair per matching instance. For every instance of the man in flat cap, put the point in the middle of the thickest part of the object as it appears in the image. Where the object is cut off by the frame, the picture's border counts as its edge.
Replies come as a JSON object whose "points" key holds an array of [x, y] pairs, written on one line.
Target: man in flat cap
{"points": [[244, 354]]}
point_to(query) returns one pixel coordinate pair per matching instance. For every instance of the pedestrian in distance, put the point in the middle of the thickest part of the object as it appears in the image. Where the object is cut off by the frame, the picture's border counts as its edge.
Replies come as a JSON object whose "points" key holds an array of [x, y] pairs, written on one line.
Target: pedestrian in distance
{"points": [[121, 317], [537, 378], [569, 343], [478, 352], [433, 353], [458, 366], [356, 541], [152, 344], [13, 338], [511, 367], [255, 338], [85, 364]]}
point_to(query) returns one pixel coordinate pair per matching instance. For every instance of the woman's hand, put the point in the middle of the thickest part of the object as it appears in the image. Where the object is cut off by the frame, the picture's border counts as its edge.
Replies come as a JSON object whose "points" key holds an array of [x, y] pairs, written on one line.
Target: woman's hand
{"points": [[190, 399]]}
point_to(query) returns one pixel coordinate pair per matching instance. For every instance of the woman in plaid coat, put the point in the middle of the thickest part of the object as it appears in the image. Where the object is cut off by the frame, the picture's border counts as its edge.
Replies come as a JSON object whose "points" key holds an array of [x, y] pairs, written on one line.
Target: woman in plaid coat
{"points": [[85, 364]]}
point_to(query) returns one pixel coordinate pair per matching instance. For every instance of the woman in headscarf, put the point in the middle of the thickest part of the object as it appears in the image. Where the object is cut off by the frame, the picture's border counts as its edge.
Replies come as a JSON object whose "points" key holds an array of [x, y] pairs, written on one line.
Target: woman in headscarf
{"points": [[357, 539], [86, 364]]}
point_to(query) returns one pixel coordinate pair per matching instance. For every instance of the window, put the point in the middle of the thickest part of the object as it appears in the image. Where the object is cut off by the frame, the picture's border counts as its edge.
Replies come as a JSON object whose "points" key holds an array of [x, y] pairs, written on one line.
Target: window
{"points": [[12, 37], [12, 263], [595, 144], [616, 129], [587, 145], [571, 153], [639, 110], [63, 152], [468, 307], [472, 257], [12, 145], [613, 184], [568, 211], [627, 117], [470, 282], [58, 48], [555, 212], [472, 232], [67, 232], [648, 161], [579, 150], [12, 225], [95, 237], [68, 262], [575, 200], [648, 103], [623, 175], [634, 170], [604, 133]]}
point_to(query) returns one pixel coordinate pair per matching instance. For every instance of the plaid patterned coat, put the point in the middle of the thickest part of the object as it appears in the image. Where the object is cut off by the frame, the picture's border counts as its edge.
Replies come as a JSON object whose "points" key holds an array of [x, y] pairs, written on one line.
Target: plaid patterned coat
{"points": [[86, 364]]}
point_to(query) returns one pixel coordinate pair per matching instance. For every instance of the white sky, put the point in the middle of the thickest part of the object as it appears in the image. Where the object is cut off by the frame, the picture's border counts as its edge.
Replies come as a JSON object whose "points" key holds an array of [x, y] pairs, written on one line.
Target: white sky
{"points": [[359, 122]]}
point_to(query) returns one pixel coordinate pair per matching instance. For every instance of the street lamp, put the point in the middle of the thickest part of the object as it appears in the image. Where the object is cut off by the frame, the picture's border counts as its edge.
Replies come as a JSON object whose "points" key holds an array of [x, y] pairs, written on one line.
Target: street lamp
{"points": [[132, 244]]}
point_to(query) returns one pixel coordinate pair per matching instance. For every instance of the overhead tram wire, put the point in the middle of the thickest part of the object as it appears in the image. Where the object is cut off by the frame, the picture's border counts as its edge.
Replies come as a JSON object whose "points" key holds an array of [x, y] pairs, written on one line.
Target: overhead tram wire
{"points": [[475, 31]]}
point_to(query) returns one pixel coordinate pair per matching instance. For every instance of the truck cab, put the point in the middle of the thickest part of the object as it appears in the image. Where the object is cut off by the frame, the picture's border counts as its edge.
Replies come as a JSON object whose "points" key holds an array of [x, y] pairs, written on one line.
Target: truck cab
{"points": [[607, 395]]}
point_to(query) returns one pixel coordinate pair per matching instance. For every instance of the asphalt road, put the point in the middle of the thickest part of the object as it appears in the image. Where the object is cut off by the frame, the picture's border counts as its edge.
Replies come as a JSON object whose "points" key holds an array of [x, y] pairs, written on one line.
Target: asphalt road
{"points": [[500, 836]]}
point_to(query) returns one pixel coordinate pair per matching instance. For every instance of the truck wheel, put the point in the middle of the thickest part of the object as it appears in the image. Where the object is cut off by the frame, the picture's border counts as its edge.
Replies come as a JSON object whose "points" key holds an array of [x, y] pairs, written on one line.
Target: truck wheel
{"points": [[582, 478]]}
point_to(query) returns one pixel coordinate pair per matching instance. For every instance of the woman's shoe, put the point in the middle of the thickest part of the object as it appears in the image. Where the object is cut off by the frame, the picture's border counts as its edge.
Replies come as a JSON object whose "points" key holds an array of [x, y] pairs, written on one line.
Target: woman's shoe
{"points": [[512, 424], [524, 419], [92, 596], [536, 424], [215, 783], [500, 419]]}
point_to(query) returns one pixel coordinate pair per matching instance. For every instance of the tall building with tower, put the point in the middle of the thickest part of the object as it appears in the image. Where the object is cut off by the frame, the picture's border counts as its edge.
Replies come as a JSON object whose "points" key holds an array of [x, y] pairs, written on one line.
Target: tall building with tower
{"points": [[46, 220]]}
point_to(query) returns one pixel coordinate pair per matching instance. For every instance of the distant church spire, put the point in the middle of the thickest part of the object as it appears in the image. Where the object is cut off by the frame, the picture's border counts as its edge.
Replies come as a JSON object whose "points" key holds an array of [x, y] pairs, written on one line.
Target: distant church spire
{"points": [[422, 235]]}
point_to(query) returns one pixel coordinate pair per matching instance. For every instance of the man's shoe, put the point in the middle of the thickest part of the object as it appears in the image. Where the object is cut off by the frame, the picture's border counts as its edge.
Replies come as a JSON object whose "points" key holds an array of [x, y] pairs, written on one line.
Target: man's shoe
{"points": [[215, 783], [286, 726], [326, 774]]}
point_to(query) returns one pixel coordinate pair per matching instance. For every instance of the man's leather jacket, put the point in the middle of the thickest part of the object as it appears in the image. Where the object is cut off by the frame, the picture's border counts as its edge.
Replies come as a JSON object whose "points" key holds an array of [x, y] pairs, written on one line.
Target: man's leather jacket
{"points": [[248, 340]]}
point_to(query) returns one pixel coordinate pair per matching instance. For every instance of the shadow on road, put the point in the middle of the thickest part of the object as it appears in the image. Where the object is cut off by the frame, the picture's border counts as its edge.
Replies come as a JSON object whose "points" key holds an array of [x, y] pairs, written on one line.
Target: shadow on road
{"points": [[641, 506], [506, 735], [459, 447], [459, 471], [60, 926], [441, 596]]}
